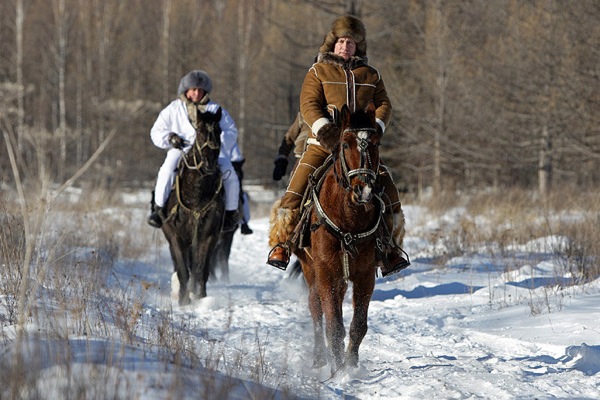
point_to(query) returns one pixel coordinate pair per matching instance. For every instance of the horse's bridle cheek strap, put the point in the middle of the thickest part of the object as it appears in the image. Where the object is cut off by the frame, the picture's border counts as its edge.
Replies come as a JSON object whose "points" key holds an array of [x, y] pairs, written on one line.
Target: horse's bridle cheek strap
{"points": [[366, 168]]}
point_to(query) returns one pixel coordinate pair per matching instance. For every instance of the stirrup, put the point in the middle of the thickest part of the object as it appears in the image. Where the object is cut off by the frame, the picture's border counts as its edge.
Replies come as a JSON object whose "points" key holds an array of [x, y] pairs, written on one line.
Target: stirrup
{"points": [[397, 265], [281, 259]]}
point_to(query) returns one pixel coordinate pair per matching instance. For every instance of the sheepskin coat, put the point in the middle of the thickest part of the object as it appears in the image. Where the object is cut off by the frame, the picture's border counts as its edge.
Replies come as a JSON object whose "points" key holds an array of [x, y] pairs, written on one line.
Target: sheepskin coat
{"points": [[332, 82]]}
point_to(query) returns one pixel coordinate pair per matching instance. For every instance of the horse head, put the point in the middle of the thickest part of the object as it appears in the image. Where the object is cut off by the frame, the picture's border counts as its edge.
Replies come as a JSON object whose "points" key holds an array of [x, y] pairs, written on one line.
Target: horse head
{"points": [[207, 145], [358, 152]]}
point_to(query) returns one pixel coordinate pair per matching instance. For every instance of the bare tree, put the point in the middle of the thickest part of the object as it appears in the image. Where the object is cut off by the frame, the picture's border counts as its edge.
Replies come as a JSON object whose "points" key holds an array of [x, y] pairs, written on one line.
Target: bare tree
{"points": [[19, 21], [167, 6]]}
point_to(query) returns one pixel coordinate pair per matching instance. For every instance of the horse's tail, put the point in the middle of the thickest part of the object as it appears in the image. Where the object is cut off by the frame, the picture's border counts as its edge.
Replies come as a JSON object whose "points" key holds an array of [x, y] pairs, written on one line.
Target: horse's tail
{"points": [[296, 270]]}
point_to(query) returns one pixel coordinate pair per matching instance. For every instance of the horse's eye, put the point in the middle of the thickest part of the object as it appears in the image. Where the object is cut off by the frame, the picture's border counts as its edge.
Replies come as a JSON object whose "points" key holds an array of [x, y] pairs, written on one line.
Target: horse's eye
{"points": [[345, 146]]}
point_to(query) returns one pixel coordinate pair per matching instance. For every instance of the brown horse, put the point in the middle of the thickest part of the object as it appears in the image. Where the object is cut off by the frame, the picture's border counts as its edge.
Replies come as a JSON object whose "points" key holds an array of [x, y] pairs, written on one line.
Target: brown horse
{"points": [[345, 218], [195, 210]]}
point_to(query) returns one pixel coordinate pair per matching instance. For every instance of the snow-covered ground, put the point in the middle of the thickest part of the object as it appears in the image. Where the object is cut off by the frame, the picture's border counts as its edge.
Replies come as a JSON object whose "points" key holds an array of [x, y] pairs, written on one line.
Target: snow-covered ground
{"points": [[479, 326]]}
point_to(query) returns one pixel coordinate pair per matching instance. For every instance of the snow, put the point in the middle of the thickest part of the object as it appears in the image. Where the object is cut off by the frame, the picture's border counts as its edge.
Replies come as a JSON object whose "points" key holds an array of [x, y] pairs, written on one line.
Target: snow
{"points": [[500, 325]]}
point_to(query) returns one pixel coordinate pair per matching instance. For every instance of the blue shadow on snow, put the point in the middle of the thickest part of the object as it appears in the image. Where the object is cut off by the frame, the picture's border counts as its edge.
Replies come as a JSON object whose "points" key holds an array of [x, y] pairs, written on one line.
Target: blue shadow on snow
{"points": [[534, 283], [422, 291]]}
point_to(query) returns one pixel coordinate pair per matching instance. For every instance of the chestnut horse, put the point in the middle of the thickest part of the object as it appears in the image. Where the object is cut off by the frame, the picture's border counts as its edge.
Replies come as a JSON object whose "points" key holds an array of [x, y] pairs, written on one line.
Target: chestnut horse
{"points": [[345, 220], [195, 210]]}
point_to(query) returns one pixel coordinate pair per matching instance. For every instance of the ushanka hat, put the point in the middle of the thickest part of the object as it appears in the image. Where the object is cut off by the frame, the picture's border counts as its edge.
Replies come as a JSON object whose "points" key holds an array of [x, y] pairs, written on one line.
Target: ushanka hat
{"points": [[349, 26], [195, 79]]}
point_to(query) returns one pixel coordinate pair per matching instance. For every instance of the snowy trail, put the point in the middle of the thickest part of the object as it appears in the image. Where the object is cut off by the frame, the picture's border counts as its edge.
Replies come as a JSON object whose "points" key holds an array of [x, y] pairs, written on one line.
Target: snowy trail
{"points": [[433, 333]]}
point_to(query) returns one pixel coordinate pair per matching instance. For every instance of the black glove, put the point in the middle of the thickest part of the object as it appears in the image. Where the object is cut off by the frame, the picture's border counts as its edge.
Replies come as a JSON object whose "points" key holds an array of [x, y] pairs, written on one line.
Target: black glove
{"points": [[176, 141], [329, 136], [281, 164]]}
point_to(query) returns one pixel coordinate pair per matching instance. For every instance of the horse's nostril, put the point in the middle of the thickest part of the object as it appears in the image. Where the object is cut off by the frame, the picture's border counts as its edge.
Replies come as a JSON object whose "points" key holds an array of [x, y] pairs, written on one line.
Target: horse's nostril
{"points": [[362, 193]]}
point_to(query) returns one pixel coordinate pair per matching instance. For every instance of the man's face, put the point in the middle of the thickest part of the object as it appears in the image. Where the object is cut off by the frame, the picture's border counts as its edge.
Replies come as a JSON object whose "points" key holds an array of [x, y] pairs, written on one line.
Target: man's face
{"points": [[194, 94], [345, 47]]}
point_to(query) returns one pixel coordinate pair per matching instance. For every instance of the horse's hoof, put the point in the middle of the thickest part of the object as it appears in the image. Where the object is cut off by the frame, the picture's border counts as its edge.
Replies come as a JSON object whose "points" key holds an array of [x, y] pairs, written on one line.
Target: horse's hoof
{"points": [[185, 301], [319, 363], [351, 360]]}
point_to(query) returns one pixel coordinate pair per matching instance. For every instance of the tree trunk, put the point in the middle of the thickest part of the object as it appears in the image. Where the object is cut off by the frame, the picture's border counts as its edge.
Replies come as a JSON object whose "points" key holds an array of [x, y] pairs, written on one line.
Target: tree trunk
{"points": [[166, 84], [245, 21], [545, 163], [61, 66], [19, 67]]}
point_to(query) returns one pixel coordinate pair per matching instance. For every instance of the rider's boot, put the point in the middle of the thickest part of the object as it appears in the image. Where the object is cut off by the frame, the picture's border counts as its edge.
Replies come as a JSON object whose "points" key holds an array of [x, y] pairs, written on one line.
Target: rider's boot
{"points": [[279, 256], [282, 224], [394, 260], [156, 218], [246, 230], [231, 220]]}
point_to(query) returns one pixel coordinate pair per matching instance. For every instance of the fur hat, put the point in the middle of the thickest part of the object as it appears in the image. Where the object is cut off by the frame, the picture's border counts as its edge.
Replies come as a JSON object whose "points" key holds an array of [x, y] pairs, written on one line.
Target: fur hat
{"points": [[346, 25], [195, 79]]}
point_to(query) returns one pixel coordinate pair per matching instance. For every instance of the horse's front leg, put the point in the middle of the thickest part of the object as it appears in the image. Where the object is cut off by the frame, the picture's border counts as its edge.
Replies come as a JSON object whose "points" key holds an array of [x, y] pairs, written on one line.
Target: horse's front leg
{"points": [[184, 288], [316, 312], [180, 267], [200, 273], [332, 297], [361, 297], [319, 349], [202, 258]]}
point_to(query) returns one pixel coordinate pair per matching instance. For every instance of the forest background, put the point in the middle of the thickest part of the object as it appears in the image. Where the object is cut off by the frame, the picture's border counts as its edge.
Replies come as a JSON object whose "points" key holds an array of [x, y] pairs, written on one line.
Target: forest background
{"points": [[500, 93]]}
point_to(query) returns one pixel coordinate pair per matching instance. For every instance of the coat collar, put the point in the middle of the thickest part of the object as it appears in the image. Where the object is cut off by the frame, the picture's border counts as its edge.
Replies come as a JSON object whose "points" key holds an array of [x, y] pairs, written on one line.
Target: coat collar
{"points": [[354, 62]]}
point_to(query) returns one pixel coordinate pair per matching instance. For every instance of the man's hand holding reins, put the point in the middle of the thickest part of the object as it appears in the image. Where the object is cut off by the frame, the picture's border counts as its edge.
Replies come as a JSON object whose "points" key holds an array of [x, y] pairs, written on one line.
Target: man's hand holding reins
{"points": [[176, 141]]}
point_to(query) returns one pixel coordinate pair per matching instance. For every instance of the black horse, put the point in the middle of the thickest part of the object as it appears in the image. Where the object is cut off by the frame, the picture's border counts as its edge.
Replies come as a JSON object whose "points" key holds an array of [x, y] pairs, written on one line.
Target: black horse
{"points": [[195, 210]]}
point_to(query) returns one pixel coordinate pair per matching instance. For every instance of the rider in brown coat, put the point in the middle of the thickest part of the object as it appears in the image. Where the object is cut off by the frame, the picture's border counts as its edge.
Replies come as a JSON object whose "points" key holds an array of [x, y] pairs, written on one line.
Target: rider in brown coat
{"points": [[294, 139], [340, 76]]}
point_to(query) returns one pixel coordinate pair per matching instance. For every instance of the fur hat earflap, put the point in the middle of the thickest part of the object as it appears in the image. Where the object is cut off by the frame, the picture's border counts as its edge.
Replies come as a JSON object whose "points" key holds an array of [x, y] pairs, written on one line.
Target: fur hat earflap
{"points": [[350, 26], [195, 79]]}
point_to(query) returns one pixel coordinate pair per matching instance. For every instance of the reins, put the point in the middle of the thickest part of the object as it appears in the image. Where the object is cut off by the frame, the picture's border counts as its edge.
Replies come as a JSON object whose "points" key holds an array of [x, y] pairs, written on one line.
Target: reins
{"points": [[211, 143]]}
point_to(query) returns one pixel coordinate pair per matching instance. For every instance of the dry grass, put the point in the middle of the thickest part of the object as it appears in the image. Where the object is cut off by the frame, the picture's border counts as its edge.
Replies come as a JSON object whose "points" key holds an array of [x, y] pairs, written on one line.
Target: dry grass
{"points": [[76, 249], [499, 221]]}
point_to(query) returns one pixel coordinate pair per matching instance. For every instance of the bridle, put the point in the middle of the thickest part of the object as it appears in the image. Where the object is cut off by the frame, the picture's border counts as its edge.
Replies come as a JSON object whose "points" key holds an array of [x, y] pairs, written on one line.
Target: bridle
{"points": [[367, 171], [198, 162]]}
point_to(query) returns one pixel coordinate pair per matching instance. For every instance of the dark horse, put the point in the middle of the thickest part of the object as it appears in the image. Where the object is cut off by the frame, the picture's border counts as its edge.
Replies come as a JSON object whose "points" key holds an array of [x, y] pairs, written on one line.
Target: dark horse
{"points": [[195, 210], [345, 214]]}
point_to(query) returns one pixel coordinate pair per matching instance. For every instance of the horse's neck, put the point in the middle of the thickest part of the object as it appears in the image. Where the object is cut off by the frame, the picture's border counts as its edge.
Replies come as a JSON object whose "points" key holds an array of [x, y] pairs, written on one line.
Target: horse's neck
{"points": [[198, 184]]}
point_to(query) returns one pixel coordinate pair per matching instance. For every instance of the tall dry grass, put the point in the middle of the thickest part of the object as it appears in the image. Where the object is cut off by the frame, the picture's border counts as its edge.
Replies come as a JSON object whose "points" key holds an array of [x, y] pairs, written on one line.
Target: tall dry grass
{"points": [[498, 221], [75, 300]]}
